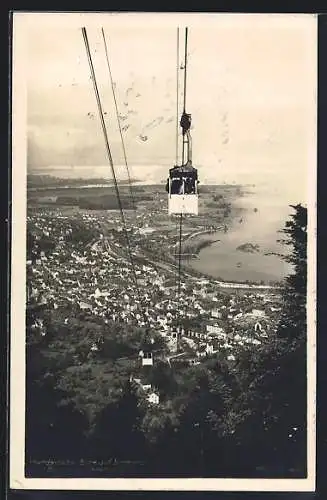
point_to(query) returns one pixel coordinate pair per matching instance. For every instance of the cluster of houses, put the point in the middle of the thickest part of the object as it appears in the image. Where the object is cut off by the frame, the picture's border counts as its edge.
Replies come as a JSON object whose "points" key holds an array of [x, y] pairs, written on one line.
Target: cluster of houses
{"points": [[98, 280]]}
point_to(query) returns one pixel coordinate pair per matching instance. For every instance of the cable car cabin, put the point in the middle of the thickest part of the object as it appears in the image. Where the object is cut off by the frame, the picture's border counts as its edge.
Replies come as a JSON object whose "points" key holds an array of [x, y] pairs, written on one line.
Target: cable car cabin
{"points": [[147, 359], [182, 187]]}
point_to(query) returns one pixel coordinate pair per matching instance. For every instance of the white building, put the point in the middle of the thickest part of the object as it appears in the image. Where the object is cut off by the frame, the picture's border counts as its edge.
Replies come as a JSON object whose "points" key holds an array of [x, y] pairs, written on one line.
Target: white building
{"points": [[215, 313], [209, 349], [214, 329], [147, 359], [153, 398]]}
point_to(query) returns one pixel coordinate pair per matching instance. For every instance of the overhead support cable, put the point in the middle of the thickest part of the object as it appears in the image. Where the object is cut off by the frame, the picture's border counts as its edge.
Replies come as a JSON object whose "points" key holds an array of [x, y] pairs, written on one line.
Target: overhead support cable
{"points": [[176, 255], [118, 120], [104, 129], [180, 253], [185, 68], [183, 154], [177, 97], [184, 91]]}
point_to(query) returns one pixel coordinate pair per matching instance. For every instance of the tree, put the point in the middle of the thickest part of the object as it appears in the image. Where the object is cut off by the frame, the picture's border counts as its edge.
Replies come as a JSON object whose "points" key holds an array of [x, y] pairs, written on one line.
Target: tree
{"points": [[54, 426], [275, 398], [46, 244], [293, 322], [116, 431], [162, 378], [30, 244]]}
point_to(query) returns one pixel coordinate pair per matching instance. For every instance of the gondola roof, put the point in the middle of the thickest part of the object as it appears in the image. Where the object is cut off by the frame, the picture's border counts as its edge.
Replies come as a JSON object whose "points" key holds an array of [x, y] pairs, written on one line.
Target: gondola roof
{"points": [[183, 169]]}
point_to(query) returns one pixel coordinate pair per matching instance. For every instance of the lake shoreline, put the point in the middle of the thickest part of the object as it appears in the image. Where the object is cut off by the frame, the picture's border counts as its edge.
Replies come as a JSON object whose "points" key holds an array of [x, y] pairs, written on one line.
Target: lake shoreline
{"points": [[263, 215]]}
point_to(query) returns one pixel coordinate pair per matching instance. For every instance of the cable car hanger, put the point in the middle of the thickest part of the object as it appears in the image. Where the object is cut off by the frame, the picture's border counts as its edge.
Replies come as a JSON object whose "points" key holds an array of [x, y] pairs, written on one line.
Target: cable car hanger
{"points": [[182, 183]]}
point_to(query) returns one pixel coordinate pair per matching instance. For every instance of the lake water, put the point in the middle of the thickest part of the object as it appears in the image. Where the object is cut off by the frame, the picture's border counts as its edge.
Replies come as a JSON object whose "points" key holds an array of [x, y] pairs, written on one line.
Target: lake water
{"points": [[261, 227]]}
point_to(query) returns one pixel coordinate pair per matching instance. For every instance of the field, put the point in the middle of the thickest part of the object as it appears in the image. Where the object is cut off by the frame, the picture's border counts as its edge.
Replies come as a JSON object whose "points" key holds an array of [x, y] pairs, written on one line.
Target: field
{"points": [[215, 202]]}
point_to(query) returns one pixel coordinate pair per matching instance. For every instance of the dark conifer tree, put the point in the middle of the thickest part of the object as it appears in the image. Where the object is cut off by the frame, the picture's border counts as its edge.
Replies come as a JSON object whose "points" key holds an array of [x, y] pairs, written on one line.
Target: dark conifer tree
{"points": [[293, 321], [274, 435]]}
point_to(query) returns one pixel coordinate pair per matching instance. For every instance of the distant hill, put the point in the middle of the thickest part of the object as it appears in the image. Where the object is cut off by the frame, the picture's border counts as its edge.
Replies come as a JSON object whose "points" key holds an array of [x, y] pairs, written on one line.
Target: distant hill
{"points": [[46, 181]]}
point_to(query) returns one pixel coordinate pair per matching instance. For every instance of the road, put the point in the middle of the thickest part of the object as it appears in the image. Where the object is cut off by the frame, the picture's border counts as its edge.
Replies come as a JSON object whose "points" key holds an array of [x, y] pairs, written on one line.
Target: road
{"points": [[203, 231], [172, 269]]}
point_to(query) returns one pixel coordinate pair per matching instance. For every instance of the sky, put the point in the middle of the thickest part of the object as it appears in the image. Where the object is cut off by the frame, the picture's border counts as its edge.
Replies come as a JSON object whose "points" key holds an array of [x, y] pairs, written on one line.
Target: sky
{"points": [[251, 90]]}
